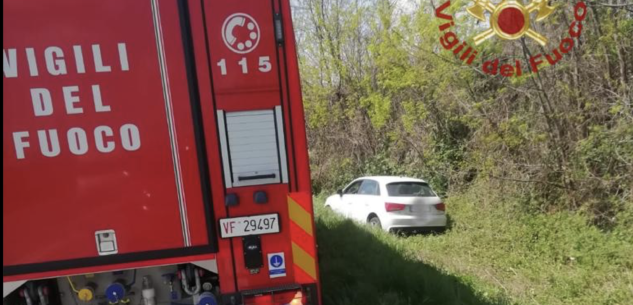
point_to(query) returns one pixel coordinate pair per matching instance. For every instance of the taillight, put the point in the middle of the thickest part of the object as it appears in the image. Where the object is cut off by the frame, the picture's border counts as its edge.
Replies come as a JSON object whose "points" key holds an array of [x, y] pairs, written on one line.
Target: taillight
{"points": [[393, 207], [278, 298], [440, 206]]}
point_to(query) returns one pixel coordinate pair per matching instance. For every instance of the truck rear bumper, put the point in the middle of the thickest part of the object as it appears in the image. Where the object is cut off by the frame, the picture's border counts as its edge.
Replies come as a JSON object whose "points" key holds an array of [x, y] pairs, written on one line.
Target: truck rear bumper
{"points": [[307, 294]]}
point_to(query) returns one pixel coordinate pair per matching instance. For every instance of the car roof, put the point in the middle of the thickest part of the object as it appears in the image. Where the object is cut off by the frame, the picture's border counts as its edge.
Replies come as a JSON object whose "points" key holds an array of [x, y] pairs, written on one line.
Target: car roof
{"points": [[391, 179]]}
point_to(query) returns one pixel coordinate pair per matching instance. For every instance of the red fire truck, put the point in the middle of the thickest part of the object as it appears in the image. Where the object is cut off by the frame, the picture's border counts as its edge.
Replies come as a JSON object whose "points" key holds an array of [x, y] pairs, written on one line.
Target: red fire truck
{"points": [[154, 152]]}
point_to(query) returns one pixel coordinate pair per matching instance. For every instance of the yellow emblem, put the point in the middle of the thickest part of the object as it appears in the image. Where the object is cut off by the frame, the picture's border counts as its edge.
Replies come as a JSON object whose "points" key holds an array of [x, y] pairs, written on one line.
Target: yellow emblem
{"points": [[510, 19]]}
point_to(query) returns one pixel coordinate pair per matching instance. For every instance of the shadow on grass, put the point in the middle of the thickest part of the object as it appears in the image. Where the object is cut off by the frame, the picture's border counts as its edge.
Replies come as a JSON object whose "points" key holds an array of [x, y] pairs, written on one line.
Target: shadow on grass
{"points": [[359, 267]]}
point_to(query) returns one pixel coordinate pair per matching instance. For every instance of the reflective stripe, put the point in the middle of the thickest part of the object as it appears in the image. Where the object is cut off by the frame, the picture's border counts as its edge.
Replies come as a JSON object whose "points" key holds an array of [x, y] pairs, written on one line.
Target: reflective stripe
{"points": [[300, 217], [302, 236], [304, 261]]}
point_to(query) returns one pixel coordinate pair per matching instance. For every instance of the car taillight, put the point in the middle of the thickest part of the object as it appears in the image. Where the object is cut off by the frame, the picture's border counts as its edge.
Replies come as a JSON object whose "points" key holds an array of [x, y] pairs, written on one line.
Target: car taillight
{"points": [[393, 207], [440, 206]]}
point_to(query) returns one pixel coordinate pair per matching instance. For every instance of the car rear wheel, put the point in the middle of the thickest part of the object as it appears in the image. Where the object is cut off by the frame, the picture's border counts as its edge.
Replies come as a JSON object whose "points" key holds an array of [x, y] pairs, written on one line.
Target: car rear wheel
{"points": [[374, 221]]}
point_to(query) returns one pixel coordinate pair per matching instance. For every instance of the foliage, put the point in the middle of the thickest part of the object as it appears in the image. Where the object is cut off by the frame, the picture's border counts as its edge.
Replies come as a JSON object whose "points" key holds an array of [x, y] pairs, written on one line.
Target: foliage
{"points": [[382, 97]]}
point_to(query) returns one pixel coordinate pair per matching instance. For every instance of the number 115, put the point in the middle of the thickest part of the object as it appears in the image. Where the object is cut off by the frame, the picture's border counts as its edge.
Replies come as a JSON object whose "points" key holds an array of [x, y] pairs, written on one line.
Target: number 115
{"points": [[264, 65]]}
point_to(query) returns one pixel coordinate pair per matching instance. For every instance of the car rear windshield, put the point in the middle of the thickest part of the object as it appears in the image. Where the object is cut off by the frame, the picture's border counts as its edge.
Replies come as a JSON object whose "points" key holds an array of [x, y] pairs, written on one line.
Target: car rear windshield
{"points": [[409, 189]]}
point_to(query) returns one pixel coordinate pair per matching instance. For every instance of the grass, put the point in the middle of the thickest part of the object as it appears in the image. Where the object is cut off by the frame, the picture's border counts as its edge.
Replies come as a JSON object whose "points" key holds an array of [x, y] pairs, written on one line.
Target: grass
{"points": [[491, 255]]}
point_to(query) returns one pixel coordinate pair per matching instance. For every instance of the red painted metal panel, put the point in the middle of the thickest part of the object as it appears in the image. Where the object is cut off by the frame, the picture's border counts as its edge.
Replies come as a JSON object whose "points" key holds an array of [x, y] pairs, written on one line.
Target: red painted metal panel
{"points": [[203, 72], [243, 56], [57, 193], [239, 66], [254, 88]]}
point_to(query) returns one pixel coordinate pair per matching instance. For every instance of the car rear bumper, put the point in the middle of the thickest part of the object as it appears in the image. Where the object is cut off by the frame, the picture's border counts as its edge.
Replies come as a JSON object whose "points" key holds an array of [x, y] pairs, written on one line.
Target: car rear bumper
{"points": [[413, 230], [414, 221]]}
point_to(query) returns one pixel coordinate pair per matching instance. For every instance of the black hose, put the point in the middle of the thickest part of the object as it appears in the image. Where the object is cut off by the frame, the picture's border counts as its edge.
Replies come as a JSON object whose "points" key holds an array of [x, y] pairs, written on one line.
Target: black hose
{"points": [[133, 280]]}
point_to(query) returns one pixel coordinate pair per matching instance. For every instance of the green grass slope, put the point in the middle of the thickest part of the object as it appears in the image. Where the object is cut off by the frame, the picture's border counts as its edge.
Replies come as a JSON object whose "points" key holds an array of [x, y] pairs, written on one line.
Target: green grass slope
{"points": [[491, 255]]}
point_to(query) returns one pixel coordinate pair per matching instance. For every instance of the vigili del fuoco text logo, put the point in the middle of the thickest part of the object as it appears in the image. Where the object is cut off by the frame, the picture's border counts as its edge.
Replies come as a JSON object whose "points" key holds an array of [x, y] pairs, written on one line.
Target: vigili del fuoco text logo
{"points": [[510, 20]]}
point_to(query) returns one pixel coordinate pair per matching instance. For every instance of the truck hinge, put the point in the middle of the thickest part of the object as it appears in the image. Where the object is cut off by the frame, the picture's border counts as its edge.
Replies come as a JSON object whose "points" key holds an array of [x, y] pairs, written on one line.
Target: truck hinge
{"points": [[279, 29]]}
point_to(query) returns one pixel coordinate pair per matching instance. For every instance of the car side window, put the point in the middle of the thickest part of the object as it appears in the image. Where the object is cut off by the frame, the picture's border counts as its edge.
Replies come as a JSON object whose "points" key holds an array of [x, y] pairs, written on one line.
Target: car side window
{"points": [[353, 188], [369, 187]]}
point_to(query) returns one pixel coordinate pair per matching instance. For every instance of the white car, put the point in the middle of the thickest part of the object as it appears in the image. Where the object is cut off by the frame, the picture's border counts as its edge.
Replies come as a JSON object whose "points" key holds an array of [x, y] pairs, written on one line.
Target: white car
{"points": [[392, 203]]}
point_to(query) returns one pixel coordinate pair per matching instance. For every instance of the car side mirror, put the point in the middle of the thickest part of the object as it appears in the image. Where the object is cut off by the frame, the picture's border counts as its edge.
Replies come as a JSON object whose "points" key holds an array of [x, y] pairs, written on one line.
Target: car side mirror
{"points": [[340, 193]]}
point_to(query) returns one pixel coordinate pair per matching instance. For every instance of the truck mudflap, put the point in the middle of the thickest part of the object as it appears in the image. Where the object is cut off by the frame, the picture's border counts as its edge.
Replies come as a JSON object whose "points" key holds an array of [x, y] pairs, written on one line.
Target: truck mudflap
{"points": [[304, 250]]}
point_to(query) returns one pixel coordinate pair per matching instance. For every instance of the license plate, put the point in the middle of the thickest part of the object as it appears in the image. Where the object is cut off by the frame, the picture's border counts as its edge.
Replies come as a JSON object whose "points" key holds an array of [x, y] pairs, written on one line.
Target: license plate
{"points": [[418, 209], [249, 225]]}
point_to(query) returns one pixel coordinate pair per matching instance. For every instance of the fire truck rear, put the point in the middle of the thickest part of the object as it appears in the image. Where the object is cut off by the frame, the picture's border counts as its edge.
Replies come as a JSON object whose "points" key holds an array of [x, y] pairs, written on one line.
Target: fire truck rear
{"points": [[154, 152]]}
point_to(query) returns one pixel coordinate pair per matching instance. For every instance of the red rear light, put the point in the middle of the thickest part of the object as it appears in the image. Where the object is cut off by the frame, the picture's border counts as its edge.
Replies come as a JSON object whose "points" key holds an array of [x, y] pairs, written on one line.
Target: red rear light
{"points": [[393, 207], [440, 206], [283, 298]]}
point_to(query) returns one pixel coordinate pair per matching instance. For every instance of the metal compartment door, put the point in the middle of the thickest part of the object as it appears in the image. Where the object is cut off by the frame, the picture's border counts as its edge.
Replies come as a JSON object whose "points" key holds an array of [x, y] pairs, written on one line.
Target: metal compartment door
{"points": [[100, 154]]}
